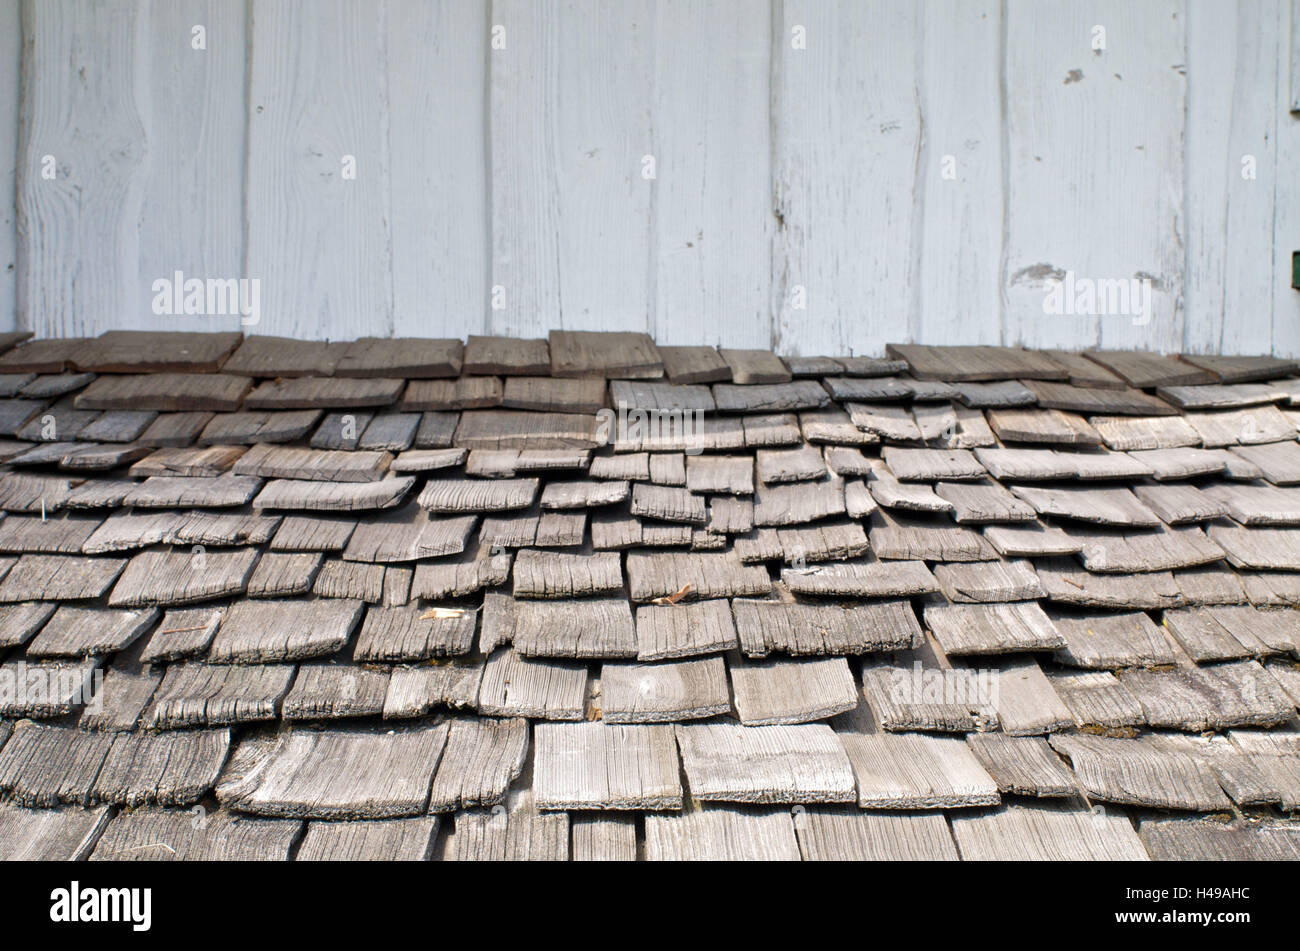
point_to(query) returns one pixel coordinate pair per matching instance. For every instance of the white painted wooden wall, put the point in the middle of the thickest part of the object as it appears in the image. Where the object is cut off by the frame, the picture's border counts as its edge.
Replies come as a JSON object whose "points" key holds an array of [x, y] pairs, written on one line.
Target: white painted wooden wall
{"points": [[747, 172]]}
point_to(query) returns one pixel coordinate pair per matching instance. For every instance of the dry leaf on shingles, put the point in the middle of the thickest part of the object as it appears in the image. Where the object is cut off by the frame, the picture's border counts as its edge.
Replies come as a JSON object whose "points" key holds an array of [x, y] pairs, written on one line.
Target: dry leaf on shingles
{"points": [[682, 592], [442, 614]]}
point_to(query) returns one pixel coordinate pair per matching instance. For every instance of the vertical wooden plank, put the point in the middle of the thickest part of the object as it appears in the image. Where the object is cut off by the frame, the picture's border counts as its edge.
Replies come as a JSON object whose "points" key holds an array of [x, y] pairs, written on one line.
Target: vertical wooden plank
{"points": [[712, 197], [437, 89], [1286, 225], [11, 43], [191, 218], [846, 135], [1095, 165], [1233, 57], [1295, 55], [957, 287], [318, 240], [570, 123], [78, 238]]}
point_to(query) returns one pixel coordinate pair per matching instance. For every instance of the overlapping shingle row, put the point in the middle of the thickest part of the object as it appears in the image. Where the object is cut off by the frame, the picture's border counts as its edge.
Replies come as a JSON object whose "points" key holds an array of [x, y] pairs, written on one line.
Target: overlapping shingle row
{"points": [[593, 598]]}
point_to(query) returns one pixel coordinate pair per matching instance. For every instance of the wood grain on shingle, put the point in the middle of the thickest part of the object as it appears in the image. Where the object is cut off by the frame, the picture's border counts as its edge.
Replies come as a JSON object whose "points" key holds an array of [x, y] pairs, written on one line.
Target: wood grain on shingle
{"points": [[46, 689], [182, 633], [628, 356], [284, 574], [988, 581], [709, 574], [223, 491], [506, 355], [82, 631], [1023, 765], [664, 692], [1040, 832], [269, 631], [694, 365], [284, 462], [59, 578], [18, 622], [840, 835], [877, 579], [318, 393], [1118, 506], [481, 759], [1140, 773], [992, 628], [516, 686], [169, 392], [415, 691], [326, 691], [50, 835], [683, 630], [975, 362], [721, 834], [605, 766], [182, 577], [407, 634], [197, 694], [246, 427], [774, 626], [917, 772], [1146, 370], [308, 496], [46, 766], [900, 538], [765, 764], [1213, 840], [791, 691], [390, 840], [337, 774], [925, 696]]}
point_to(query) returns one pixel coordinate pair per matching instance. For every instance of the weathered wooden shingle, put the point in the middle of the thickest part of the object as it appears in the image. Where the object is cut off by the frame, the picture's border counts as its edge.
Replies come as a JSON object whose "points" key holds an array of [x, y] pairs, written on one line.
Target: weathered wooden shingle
{"points": [[46, 766], [480, 761], [765, 764], [844, 835], [329, 691], [82, 631], [605, 766], [1140, 773], [308, 496], [538, 689], [900, 538], [1113, 640], [791, 691], [1201, 840], [988, 581], [178, 576], [266, 631], [672, 631], [59, 578], [1043, 832], [197, 694], [992, 628], [1023, 765], [917, 772], [664, 692], [596, 627], [628, 356], [1097, 699], [49, 835], [216, 392], [335, 774], [776, 626], [708, 575], [721, 834]]}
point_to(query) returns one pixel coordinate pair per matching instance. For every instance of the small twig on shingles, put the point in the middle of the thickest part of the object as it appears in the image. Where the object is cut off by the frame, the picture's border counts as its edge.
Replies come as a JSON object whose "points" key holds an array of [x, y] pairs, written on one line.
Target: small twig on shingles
{"points": [[682, 592], [184, 630]]}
